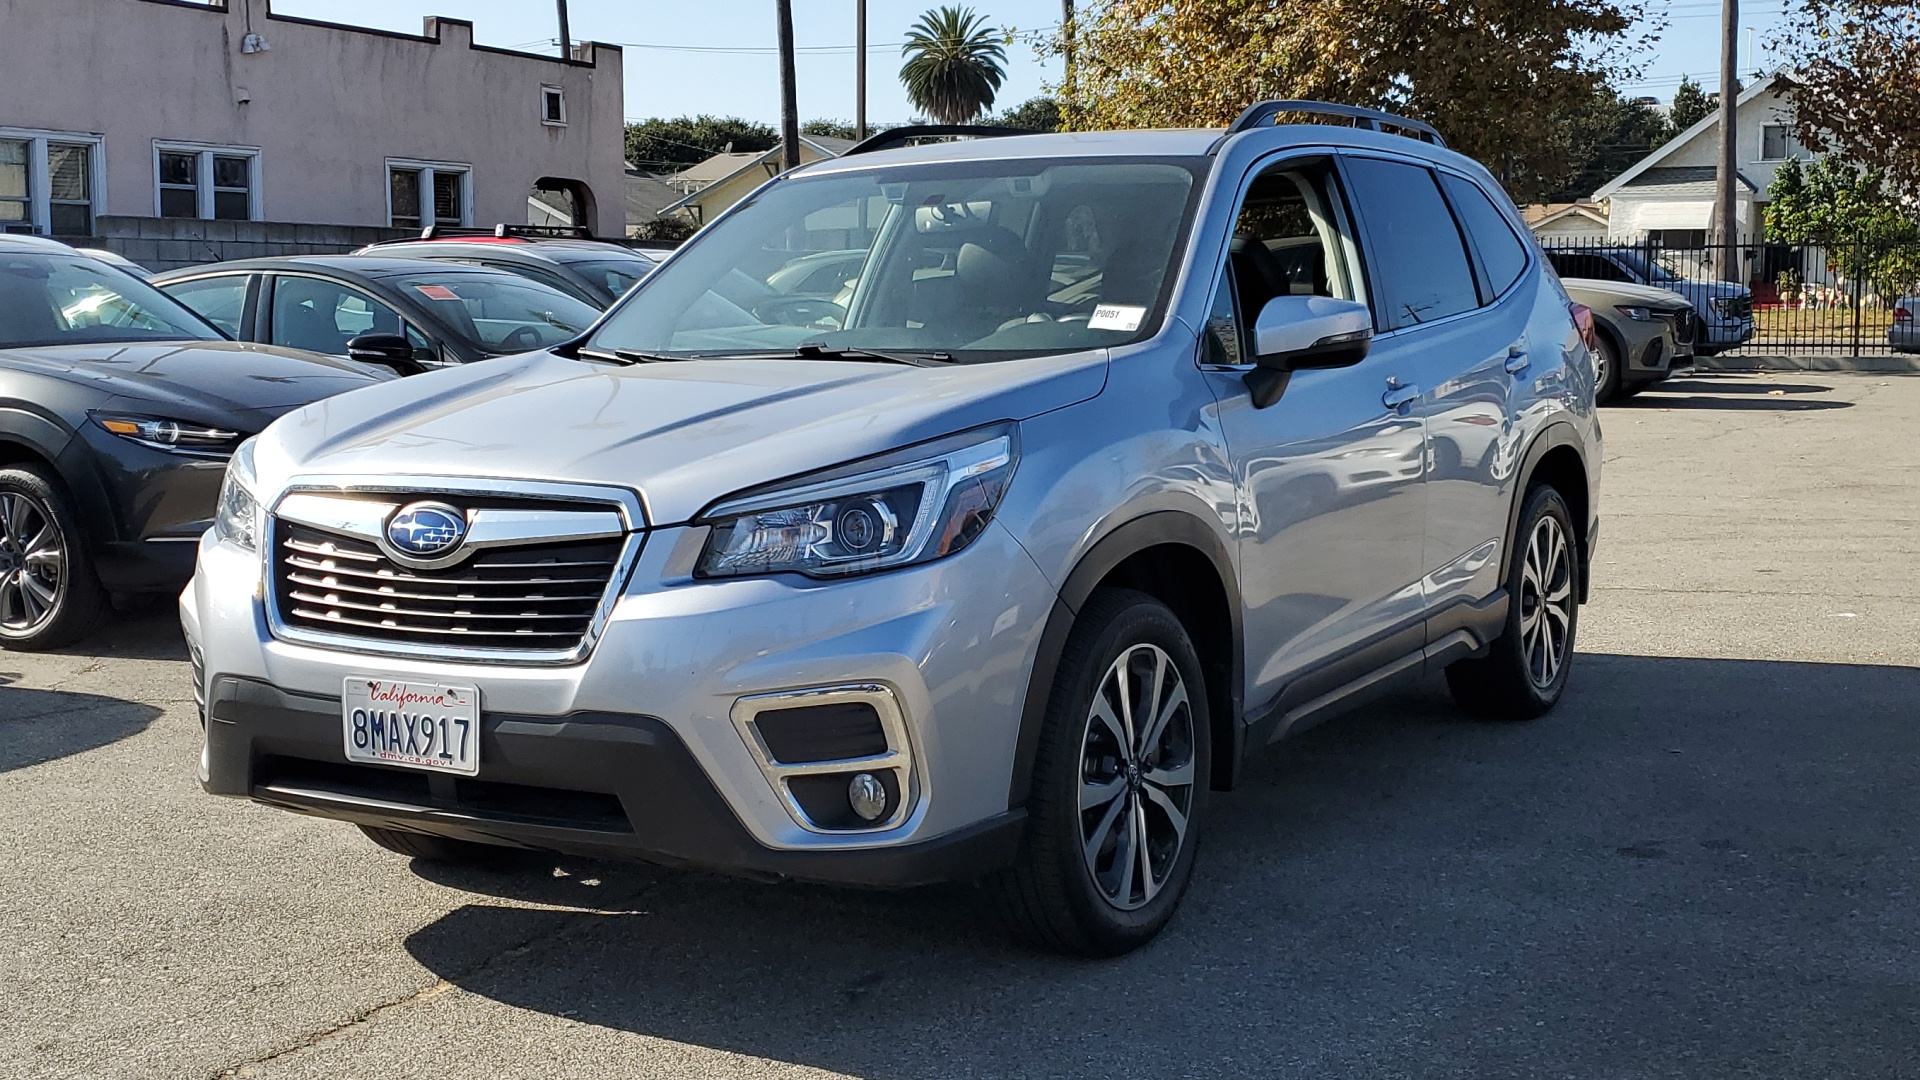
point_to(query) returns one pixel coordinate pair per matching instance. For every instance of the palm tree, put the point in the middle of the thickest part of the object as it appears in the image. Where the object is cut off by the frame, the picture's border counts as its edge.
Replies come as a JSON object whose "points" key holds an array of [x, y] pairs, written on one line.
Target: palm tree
{"points": [[953, 64]]}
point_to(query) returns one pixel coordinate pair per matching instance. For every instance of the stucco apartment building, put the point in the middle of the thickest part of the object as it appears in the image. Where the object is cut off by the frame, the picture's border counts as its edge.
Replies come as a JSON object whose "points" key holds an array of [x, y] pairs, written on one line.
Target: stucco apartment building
{"points": [[181, 131]]}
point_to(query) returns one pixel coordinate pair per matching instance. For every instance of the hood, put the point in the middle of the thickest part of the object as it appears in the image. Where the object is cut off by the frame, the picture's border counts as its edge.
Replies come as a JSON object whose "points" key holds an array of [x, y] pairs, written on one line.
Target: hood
{"points": [[681, 433], [1699, 290], [199, 379], [1609, 294]]}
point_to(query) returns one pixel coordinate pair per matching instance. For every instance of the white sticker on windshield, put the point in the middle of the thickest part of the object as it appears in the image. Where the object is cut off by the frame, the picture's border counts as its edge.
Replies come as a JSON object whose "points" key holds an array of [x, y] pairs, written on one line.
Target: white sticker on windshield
{"points": [[1116, 317]]}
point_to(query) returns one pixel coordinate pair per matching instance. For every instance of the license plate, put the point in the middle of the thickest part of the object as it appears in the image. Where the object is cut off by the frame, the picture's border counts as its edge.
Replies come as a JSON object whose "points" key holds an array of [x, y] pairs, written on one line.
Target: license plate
{"points": [[412, 724]]}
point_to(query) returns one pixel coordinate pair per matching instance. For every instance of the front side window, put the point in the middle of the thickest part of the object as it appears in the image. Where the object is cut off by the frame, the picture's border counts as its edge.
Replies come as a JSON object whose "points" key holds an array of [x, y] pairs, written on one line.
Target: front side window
{"points": [[211, 183], [420, 194], [1416, 256], [57, 300], [220, 300], [972, 261], [500, 313], [1222, 341], [617, 275], [1289, 239], [322, 316], [47, 182]]}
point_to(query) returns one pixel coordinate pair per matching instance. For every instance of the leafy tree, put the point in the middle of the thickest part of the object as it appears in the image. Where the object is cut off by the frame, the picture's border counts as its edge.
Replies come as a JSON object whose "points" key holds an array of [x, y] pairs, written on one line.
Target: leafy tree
{"points": [[1033, 114], [1868, 230], [953, 66], [660, 145], [1604, 136], [1856, 70], [1497, 79], [1690, 105], [833, 129]]}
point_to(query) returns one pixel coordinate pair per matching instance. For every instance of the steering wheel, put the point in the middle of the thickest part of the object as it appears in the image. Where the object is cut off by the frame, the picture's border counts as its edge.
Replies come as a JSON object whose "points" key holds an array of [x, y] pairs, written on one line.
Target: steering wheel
{"points": [[801, 311], [513, 339]]}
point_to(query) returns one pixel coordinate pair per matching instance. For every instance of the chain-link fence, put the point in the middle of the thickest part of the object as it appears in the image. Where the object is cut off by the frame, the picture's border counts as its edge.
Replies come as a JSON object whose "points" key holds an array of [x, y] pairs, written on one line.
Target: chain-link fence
{"points": [[1830, 299]]}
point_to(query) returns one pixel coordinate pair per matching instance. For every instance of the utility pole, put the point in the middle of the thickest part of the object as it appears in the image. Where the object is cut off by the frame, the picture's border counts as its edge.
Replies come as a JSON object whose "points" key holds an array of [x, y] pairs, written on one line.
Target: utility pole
{"points": [[1724, 194], [789, 100], [566, 33], [860, 71], [1066, 49]]}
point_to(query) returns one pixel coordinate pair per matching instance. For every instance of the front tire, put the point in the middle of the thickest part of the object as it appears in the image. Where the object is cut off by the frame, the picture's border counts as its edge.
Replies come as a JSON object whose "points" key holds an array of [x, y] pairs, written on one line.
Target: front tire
{"points": [[49, 595], [1525, 669], [1119, 784]]}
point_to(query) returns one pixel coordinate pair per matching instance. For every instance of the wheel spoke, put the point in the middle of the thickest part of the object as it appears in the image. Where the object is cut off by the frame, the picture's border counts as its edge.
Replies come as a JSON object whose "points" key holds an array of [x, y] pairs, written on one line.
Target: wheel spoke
{"points": [[1095, 794], [1123, 679], [1126, 853], [1142, 852], [9, 593], [1175, 816], [1175, 702], [1176, 776], [1097, 839], [1103, 712], [1152, 703], [7, 503], [17, 518]]}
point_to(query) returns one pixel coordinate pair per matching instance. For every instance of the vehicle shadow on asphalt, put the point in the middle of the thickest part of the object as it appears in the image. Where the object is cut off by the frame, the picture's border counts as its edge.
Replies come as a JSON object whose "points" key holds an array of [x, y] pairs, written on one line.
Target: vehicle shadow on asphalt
{"points": [[1697, 860], [1685, 397], [45, 725]]}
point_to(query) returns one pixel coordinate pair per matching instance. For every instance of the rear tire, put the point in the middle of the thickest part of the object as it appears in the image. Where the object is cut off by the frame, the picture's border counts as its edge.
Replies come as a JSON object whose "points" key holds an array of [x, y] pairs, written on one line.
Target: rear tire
{"points": [[1119, 784], [440, 849], [1525, 669], [49, 595]]}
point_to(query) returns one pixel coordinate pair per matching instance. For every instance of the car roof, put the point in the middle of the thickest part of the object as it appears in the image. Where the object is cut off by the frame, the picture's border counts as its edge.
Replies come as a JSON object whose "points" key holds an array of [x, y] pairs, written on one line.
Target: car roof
{"points": [[365, 266], [23, 243], [559, 251]]}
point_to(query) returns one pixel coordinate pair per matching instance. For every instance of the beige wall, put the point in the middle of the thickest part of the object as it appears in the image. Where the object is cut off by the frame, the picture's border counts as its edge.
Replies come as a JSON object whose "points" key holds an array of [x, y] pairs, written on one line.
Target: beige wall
{"points": [[716, 198], [327, 105]]}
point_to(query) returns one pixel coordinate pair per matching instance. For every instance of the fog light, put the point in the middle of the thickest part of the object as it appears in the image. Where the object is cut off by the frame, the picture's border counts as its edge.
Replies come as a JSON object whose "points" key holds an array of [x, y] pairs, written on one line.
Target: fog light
{"points": [[868, 796]]}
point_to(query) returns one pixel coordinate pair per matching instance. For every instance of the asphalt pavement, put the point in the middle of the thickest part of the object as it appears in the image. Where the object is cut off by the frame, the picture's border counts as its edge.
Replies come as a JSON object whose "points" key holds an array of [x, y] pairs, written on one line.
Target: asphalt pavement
{"points": [[1704, 864]]}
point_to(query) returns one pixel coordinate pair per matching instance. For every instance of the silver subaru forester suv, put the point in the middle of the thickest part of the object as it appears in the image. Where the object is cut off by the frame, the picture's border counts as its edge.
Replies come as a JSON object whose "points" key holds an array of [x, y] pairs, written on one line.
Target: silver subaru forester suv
{"points": [[1100, 462]]}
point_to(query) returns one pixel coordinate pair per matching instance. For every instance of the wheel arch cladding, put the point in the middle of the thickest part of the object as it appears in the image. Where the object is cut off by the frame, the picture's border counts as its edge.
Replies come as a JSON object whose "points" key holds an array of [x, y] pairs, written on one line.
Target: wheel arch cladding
{"points": [[1555, 459], [26, 439], [1177, 559]]}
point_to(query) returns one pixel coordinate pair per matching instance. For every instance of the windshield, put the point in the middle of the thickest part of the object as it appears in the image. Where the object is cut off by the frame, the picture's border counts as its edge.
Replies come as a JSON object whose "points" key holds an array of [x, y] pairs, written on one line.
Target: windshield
{"points": [[617, 275], [72, 300], [1655, 274], [974, 260], [501, 313]]}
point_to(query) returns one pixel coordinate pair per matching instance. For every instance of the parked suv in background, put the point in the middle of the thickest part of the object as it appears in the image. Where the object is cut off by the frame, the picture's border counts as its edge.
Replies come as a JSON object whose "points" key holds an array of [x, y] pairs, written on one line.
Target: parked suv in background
{"points": [[1725, 308], [976, 575], [1642, 335]]}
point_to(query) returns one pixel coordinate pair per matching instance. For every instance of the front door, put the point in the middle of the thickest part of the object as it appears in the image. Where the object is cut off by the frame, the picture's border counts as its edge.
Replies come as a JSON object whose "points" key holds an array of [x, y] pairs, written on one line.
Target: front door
{"points": [[1330, 474]]}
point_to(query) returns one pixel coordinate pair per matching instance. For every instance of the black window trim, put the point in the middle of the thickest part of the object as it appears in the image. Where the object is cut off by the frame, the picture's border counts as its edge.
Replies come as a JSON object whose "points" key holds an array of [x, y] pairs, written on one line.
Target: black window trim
{"points": [[1482, 278]]}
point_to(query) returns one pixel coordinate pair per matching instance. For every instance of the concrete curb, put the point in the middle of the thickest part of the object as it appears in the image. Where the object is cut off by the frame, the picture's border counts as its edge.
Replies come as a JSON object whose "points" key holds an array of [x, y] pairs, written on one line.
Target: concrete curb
{"points": [[1882, 365]]}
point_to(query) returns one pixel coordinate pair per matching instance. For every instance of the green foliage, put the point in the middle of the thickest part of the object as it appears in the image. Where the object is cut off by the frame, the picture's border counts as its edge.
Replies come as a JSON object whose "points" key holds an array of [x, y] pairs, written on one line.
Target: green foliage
{"points": [[1033, 114], [1856, 82], [1603, 137], [1690, 105], [1867, 229], [953, 66], [669, 230], [660, 145], [833, 129]]}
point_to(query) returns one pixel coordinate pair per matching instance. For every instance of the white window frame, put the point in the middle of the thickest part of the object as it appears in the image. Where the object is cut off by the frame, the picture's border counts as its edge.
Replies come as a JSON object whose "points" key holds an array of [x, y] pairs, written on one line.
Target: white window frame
{"points": [[39, 212], [556, 91], [203, 176], [1787, 143], [427, 170]]}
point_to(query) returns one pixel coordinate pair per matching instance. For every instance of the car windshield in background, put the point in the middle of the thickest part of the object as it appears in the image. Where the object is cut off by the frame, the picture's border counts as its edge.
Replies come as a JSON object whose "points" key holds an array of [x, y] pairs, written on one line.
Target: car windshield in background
{"points": [[618, 275], [973, 260], [60, 300], [500, 312]]}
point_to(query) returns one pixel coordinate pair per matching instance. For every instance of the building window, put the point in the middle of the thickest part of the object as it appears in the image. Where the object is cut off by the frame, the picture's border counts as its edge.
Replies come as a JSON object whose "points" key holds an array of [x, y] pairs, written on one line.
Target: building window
{"points": [[426, 193], [211, 182], [48, 182], [1778, 144], [553, 106]]}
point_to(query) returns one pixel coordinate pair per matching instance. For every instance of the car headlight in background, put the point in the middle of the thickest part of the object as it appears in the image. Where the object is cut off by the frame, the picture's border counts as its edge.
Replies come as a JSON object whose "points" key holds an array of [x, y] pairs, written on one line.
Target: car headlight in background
{"points": [[236, 516], [902, 508], [1637, 314], [178, 436]]}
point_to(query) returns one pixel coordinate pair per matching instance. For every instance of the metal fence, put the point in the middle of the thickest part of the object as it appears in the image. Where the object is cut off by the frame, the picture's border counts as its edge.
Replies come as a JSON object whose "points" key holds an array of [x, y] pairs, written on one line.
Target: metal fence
{"points": [[1821, 299]]}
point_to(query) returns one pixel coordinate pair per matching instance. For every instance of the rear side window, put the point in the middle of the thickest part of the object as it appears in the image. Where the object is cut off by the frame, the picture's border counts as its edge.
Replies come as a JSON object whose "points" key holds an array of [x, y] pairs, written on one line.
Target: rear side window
{"points": [[1417, 257], [1501, 252]]}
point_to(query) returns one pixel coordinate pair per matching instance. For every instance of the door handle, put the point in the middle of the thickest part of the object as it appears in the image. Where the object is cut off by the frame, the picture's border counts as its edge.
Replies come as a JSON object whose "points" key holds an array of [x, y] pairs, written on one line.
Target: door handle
{"points": [[1517, 359], [1398, 396]]}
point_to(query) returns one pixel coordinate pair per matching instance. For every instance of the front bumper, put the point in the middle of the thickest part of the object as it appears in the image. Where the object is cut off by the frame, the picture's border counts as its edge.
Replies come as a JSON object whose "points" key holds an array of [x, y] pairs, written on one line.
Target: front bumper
{"points": [[644, 728]]}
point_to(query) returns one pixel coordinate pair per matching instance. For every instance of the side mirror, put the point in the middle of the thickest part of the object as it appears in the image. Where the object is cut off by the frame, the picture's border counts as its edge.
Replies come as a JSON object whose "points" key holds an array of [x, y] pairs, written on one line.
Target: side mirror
{"points": [[1296, 332], [392, 351]]}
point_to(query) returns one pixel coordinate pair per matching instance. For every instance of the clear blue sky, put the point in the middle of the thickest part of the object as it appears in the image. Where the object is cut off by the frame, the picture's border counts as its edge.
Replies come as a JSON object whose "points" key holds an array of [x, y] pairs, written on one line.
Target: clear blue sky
{"points": [[671, 72]]}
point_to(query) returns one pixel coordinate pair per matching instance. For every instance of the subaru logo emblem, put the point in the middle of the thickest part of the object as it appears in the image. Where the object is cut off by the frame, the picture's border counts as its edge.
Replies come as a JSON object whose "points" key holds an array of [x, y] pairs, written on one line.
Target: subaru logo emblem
{"points": [[426, 530]]}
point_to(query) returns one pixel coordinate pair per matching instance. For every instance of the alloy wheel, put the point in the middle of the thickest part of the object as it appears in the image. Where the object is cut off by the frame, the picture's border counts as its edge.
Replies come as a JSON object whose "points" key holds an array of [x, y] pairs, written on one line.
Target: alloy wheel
{"points": [[1137, 776], [1546, 602], [33, 564]]}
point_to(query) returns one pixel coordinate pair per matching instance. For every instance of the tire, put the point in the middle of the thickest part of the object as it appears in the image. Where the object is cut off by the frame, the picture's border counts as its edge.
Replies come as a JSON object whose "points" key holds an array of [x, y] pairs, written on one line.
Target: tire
{"points": [[1606, 384], [1055, 895], [1525, 669], [49, 595], [1632, 389], [440, 849]]}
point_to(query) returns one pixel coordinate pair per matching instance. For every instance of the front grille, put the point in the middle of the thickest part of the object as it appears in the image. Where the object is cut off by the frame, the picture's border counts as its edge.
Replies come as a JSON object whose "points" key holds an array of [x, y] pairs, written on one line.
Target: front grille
{"points": [[540, 596], [1685, 326], [489, 799], [1737, 307]]}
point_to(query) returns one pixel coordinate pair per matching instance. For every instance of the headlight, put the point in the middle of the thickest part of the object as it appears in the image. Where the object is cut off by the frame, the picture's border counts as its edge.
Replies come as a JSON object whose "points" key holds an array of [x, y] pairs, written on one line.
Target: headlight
{"points": [[1718, 304], [236, 517], [178, 436], [1637, 314], [906, 507]]}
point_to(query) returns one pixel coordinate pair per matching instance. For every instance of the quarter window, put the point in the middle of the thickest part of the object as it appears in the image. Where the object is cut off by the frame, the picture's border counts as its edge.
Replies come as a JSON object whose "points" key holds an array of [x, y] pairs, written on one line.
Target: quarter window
{"points": [[48, 182], [1222, 340], [1417, 258], [220, 300], [1502, 254], [424, 193], [208, 182]]}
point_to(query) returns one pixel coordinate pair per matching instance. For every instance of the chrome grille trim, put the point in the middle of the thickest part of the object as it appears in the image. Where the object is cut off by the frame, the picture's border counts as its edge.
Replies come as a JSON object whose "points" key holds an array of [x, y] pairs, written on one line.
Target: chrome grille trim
{"points": [[352, 570]]}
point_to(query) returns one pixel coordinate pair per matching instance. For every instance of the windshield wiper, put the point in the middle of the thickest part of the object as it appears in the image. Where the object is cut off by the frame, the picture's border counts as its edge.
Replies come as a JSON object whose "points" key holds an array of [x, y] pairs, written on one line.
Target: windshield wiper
{"points": [[814, 351], [628, 356]]}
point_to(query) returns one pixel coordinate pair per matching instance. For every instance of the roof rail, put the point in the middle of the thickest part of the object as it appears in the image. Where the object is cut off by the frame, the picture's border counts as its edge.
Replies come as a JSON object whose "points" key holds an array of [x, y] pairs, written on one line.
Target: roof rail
{"points": [[504, 231], [1263, 114], [900, 136]]}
